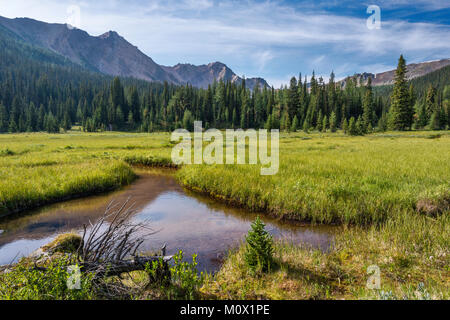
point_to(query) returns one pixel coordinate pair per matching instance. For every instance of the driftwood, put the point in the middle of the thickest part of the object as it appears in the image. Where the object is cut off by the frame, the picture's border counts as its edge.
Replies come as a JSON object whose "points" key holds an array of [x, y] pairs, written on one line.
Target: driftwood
{"points": [[111, 246]]}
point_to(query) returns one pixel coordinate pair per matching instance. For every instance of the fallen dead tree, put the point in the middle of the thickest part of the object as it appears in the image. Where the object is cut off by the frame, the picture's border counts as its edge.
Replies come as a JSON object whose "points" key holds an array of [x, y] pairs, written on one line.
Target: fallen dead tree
{"points": [[108, 251], [111, 246]]}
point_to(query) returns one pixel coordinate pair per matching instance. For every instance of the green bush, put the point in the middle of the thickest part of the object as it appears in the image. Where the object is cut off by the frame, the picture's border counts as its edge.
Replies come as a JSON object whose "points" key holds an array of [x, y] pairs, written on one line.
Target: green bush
{"points": [[259, 249], [181, 282], [24, 282]]}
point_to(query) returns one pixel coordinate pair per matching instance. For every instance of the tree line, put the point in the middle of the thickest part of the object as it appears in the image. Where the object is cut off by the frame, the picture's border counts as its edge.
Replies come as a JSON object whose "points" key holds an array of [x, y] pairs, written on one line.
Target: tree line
{"points": [[53, 96]]}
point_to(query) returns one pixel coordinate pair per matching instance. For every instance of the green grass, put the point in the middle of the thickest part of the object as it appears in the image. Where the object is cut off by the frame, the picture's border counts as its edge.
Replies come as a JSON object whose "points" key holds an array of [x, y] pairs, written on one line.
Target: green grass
{"points": [[373, 185], [335, 179], [411, 252], [37, 169]]}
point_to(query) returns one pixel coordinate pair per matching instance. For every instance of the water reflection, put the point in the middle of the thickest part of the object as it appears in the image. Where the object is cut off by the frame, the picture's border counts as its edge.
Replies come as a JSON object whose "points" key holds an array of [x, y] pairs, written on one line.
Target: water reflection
{"points": [[185, 221]]}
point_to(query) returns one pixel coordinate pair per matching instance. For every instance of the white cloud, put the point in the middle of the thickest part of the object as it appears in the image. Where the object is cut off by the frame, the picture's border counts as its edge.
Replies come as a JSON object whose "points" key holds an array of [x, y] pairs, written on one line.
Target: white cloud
{"points": [[246, 35]]}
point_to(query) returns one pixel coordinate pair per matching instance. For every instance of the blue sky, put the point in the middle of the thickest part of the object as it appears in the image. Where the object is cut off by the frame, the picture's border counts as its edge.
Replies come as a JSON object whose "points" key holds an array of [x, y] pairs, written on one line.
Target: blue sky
{"points": [[270, 39]]}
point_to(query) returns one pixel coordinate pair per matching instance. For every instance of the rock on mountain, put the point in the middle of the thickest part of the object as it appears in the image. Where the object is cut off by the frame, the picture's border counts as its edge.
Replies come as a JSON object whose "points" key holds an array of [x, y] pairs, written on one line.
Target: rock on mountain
{"points": [[111, 54], [202, 76], [414, 70]]}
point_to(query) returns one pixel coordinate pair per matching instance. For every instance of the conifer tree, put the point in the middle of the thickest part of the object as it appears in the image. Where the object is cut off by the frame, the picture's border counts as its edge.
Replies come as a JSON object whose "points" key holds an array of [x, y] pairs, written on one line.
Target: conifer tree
{"points": [[360, 127], [294, 127], [435, 121], [3, 118], [325, 124], [400, 112], [333, 122], [345, 125], [368, 107], [259, 248], [352, 129]]}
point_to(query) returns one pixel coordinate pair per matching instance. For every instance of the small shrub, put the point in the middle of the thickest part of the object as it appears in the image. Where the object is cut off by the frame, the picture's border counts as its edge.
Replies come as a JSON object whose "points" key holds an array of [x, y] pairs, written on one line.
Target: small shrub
{"points": [[24, 282], [259, 249], [182, 281], [7, 152], [185, 275]]}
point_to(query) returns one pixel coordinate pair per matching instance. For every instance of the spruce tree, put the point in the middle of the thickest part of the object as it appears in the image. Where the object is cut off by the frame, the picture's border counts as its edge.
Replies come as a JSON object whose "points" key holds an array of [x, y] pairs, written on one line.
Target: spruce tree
{"points": [[345, 125], [352, 129], [294, 127], [368, 107], [360, 127], [400, 112], [319, 121], [3, 118], [333, 121], [435, 121], [259, 248], [325, 124]]}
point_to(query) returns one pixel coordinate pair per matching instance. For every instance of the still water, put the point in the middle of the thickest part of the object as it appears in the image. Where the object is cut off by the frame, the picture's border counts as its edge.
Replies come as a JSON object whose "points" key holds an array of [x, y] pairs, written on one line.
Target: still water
{"points": [[183, 220]]}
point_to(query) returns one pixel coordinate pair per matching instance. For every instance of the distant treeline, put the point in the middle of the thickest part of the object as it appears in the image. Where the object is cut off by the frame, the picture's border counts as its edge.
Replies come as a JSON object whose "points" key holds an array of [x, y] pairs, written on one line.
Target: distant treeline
{"points": [[40, 91]]}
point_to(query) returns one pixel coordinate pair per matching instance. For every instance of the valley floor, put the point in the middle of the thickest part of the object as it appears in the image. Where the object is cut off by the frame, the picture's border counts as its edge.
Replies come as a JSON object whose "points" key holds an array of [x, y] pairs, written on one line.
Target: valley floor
{"points": [[390, 191]]}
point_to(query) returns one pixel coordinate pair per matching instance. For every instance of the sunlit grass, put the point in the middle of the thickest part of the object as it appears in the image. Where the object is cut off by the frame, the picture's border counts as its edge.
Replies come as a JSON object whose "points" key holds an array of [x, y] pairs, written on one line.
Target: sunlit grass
{"points": [[332, 178], [370, 184], [37, 169], [411, 251]]}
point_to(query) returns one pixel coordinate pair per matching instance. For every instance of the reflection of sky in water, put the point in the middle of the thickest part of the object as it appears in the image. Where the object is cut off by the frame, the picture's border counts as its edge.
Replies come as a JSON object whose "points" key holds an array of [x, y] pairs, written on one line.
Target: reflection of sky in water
{"points": [[12, 252], [183, 221]]}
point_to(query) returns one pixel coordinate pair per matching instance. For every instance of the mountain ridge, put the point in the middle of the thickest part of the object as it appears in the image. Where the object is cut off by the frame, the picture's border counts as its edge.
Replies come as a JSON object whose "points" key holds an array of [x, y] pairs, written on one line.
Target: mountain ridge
{"points": [[111, 54], [414, 70]]}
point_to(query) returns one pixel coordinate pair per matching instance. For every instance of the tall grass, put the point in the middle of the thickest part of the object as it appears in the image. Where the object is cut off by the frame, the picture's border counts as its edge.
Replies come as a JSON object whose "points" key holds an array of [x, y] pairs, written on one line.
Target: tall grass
{"points": [[334, 179], [410, 251], [37, 169]]}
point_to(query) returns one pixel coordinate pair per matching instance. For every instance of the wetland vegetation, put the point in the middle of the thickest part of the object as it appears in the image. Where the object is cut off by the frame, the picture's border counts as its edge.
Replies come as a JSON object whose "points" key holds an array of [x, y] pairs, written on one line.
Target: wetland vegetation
{"points": [[389, 191]]}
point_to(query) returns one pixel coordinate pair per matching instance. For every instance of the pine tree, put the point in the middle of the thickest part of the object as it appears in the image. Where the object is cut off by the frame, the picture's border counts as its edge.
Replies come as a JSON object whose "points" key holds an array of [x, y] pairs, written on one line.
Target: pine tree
{"points": [[319, 121], [3, 118], [352, 128], [360, 127], [368, 107], [13, 126], [306, 126], [67, 123], [188, 121], [422, 116], [294, 127], [268, 125], [400, 112], [333, 121], [345, 125], [259, 248], [430, 101], [434, 121], [325, 124]]}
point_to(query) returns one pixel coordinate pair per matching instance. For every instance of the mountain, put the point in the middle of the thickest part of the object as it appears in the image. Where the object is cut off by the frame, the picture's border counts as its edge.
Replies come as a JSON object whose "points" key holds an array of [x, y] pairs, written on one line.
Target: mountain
{"points": [[415, 70], [204, 75], [113, 55]]}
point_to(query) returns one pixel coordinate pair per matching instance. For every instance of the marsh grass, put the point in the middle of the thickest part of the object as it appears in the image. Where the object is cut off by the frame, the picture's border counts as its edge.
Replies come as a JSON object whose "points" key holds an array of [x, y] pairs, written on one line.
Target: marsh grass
{"points": [[334, 179], [378, 186], [411, 252], [38, 169]]}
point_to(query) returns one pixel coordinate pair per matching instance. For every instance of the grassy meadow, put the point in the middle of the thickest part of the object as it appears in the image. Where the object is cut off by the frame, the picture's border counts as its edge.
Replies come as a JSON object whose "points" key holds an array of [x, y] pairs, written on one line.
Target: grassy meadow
{"points": [[38, 168], [389, 190], [332, 178]]}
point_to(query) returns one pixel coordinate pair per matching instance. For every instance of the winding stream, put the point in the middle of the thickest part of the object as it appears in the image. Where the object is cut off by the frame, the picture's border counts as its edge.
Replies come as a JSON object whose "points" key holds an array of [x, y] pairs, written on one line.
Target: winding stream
{"points": [[184, 220]]}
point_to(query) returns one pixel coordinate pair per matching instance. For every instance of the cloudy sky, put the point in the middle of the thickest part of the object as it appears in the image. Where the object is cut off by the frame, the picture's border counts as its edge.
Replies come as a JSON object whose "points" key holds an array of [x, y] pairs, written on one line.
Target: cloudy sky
{"points": [[270, 39]]}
